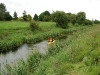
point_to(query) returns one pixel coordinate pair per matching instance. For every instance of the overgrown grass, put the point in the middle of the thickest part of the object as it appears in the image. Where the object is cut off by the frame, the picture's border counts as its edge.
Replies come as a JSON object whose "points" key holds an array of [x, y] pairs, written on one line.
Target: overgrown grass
{"points": [[15, 33], [78, 54]]}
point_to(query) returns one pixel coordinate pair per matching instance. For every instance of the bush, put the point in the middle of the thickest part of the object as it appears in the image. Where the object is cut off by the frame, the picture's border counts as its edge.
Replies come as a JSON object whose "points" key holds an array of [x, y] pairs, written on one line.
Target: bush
{"points": [[34, 25], [60, 18], [88, 22], [20, 19], [96, 21]]}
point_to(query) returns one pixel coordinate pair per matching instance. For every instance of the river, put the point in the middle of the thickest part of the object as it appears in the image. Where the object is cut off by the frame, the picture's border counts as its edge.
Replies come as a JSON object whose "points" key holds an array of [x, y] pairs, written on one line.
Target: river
{"points": [[22, 52]]}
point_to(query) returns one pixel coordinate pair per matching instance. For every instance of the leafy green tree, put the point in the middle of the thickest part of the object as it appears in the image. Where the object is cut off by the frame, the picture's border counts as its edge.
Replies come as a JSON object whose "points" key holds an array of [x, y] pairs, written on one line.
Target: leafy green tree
{"points": [[25, 16], [96, 21], [46, 13], [73, 19], [35, 17], [46, 18], [60, 18], [88, 22], [2, 11], [41, 17], [69, 16], [15, 16], [43, 14], [81, 16], [29, 17], [8, 17]]}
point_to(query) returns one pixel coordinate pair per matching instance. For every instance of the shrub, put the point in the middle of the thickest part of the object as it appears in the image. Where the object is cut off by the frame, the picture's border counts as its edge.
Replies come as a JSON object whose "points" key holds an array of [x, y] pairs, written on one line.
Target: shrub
{"points": [[96, 21], [34, 25], [60, 18], [88, 22], [20, 19]]}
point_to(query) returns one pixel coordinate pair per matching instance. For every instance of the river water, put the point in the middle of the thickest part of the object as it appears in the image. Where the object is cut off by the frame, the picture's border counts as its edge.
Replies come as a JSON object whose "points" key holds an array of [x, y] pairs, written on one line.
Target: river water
{"points": [[22, 53]]}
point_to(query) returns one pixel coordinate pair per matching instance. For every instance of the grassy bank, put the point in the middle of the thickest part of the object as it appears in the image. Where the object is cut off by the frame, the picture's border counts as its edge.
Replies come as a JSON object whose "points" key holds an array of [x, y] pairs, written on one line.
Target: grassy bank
{"points": [[78, 54], [14, 34]]}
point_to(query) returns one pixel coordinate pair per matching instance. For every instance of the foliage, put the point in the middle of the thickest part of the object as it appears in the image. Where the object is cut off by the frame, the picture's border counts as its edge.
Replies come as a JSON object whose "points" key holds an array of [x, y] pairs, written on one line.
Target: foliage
{"points": [[8, 17], [35, 17], [2, 11], [20, 19], [4, 15], [88, 22], [25, 16], [60, 18], [73, 19], [69, 16], [41, 16], [96, 22], [29, 17], [67, 56], [81, 16], [34, 25], [15, 16], [13, 34], [44, 16], [76, 54]]}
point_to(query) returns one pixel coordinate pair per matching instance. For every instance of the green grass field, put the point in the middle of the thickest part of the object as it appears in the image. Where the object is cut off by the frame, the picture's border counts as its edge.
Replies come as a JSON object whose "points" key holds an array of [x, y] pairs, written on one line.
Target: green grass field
{"points": [[78, 54], [14, 34]]}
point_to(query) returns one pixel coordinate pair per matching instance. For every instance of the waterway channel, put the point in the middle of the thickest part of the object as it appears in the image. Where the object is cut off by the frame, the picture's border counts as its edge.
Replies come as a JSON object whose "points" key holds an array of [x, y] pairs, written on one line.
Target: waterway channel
{"points": [[22, 52]]}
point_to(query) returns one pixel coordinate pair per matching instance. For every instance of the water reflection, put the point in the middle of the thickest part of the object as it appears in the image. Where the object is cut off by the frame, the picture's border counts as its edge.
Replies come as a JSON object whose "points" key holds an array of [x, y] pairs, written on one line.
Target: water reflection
{"points": [[22, 53]]}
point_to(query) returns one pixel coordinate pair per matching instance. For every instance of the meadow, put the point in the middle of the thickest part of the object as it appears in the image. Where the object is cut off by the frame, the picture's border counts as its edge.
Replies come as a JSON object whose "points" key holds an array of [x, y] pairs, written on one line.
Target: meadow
{"points": [[14, 34], [78, 54]]}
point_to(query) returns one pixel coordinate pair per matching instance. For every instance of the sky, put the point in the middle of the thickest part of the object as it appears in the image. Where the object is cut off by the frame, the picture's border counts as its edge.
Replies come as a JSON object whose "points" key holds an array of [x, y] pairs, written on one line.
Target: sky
{"points": [[90, 7]]}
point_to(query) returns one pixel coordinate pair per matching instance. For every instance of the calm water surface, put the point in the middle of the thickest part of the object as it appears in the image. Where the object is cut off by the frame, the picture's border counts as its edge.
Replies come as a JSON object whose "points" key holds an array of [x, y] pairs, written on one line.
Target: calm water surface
{"points": [[22, 53]]}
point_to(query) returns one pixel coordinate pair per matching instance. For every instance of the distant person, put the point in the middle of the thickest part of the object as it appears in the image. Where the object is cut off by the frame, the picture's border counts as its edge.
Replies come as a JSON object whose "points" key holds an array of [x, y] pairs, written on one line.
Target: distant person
{"points": [[51, 39]]}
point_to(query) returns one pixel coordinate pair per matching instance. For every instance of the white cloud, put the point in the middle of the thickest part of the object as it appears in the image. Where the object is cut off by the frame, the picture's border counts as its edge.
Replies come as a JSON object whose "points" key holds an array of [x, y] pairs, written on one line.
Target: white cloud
{"points": [[91, 7]]}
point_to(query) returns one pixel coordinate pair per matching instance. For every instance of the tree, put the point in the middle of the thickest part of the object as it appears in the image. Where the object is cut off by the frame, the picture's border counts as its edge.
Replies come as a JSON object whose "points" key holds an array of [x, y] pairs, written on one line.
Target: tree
{"points": [[8, 17], [29, 17], [69, 16], [41, 17], [25, 16], [15, 16], [81, 16], [73, 19], [46, 18], [60, 18], [2, 11], [35, 17], [96, 21], [46, 13], [43, 14], [88, 22]]}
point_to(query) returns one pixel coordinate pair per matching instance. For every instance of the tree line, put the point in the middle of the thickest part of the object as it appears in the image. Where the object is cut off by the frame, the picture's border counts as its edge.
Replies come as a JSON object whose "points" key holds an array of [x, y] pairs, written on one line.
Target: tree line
{"points": [[60, 17]]}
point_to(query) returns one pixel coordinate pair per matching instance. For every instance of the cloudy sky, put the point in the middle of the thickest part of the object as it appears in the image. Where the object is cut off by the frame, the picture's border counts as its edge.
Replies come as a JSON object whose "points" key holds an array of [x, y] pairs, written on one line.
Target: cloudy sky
{"points": [[90, 7]]}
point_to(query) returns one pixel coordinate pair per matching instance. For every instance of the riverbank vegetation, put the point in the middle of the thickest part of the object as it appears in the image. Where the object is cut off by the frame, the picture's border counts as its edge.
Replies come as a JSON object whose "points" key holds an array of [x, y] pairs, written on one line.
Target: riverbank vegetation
{"points": [[14, 34], [78, 54]]}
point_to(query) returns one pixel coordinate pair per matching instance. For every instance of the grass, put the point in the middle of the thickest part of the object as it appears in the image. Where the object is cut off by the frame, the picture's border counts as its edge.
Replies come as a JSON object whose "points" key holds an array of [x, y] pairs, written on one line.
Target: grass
{"points": [[78, 54], [14, 34]]}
